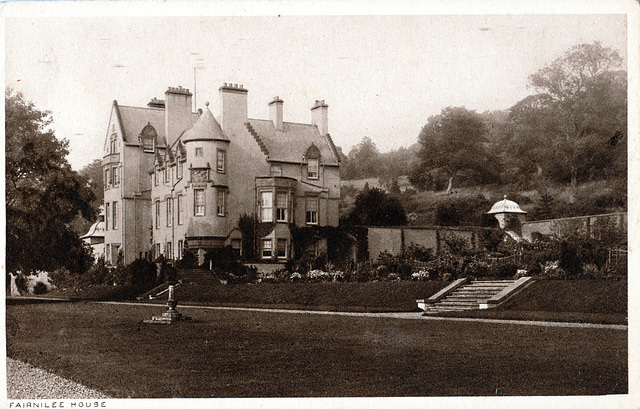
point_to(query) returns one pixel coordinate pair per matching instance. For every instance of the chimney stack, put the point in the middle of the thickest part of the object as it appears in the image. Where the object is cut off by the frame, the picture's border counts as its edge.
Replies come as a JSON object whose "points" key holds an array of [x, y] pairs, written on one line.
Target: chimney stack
{"points": [[177, 114], [320, 116], [233, 107], [156, 103], [275, 112]]}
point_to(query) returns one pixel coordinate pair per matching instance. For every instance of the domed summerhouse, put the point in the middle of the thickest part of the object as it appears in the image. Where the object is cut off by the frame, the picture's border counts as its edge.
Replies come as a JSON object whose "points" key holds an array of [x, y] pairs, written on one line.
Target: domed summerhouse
{"points": [[509, 215]]}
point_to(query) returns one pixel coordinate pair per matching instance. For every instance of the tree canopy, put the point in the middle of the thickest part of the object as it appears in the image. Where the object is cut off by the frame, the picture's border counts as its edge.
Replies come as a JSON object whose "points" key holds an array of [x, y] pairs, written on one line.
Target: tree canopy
{"points": [[43, 193], [577, 117], [94, 176], [374, 207], [454, 142]]}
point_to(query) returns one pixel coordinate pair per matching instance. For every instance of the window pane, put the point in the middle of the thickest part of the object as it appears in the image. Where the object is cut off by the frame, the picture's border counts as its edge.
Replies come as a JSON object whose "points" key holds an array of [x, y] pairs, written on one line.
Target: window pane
{"points": [[199, 202], [282, 248], [281, 210], [312, 210], [220, 161], [179, 209], [266, 206], [115, 215], [107, 216], [266, 249], [312, 169], [157, 214], [221, 203]]}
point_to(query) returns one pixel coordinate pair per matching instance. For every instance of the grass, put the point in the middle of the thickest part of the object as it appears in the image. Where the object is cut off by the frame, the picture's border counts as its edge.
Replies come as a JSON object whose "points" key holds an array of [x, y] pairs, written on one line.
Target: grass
{"points": [[365, 297], [360, 297], [268, 354], [593, 301]]}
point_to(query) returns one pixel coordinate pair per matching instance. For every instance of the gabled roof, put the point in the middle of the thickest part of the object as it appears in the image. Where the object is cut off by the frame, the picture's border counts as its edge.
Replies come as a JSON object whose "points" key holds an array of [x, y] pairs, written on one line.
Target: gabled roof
{"points": [[168, 154], [181, 151], [292, 144], [206, 128], [159, 159], [134, 119]]}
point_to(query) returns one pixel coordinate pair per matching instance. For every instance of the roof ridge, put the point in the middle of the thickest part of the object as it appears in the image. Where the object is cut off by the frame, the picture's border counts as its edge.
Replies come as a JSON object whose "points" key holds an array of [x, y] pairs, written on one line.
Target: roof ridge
{"points": [[146, 108], [284, 122]]}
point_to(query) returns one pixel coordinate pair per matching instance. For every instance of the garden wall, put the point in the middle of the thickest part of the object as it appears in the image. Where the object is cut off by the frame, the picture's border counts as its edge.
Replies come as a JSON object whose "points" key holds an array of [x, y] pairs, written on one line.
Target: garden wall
{"points": [[611, 228], [394, 240]]}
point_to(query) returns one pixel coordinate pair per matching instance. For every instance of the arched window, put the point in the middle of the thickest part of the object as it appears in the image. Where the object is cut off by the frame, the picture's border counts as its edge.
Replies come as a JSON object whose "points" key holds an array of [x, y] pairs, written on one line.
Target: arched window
{"points": [[148, 137], [313, 162]]}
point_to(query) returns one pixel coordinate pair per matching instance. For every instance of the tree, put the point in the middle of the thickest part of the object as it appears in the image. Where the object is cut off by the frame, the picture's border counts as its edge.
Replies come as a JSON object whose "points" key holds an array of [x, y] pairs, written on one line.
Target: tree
{"points": [[580, 112], [43, 193], [374, 207], [363, 161], [453, 142], [93, 173]]}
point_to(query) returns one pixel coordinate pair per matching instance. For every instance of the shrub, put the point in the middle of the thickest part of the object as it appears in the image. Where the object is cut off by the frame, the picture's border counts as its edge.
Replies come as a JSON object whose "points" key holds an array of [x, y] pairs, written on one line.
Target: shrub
{"points": [[61, 277], [40, 288], [141, 273], [422, 275], [418, 253], [505, 270], [462, 211], [224, 260], [98, 273], [477, 268], [188, 259]]}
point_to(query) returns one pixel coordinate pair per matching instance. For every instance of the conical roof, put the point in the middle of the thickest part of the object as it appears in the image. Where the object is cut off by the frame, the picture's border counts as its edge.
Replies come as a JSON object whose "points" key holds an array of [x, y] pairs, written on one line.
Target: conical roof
{"points": [[205, 128], [506, 206]]}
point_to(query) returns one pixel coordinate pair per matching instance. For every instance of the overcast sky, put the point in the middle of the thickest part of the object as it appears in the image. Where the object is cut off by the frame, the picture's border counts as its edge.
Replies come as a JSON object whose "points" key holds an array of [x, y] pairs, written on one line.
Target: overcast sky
{"points": [[381, 76]]}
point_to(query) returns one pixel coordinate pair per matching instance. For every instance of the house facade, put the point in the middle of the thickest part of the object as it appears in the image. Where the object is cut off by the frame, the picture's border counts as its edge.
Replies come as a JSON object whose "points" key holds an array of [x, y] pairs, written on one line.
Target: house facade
{"points": [[177, 179]]}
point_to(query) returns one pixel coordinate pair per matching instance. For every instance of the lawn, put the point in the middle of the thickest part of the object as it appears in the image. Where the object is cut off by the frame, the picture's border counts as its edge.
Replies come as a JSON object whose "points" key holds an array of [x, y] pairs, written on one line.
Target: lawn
{"points": [[358, 297], [593, 301], [268, 354]]}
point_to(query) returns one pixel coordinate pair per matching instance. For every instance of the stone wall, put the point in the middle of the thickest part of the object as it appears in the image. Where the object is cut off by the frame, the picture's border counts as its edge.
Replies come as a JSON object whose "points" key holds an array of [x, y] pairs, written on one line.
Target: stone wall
{"points": [[395, 240], [611, 227]]}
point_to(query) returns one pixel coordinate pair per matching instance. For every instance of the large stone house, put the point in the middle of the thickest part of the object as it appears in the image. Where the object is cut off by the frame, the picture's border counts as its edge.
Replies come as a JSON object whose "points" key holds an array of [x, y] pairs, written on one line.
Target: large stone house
{"points": [[178, 179]]}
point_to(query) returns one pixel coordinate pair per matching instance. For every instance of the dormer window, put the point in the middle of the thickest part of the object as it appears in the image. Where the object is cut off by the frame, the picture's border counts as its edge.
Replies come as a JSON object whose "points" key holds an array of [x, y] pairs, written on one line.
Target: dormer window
{"points": [[148, 138], [313, 160], [312, 169]]}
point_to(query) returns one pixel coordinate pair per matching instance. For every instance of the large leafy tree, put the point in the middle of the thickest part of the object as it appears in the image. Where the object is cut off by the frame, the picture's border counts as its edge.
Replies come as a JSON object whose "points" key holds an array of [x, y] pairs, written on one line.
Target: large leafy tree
{"points": [[577, 119], [43, 193], [374, 207], [93, 173], [454, 142], [363, 161]]}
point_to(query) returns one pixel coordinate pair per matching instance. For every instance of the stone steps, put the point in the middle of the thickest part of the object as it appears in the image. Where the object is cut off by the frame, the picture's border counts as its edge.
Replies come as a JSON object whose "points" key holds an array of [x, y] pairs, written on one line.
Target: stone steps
{"points": [[469, 296]]}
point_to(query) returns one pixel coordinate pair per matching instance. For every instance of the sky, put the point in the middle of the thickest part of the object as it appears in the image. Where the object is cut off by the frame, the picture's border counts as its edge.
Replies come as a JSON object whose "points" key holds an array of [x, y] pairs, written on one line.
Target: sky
{"points": [[382, 76]]}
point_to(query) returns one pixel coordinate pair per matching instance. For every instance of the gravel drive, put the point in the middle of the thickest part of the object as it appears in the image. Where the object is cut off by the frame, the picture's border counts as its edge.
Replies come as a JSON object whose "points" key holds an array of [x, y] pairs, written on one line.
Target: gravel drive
{"points": [[25, 381]]}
